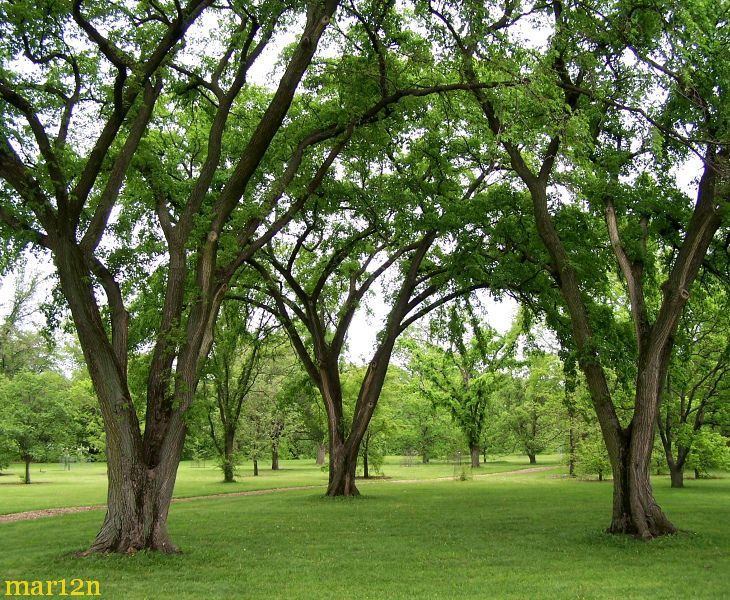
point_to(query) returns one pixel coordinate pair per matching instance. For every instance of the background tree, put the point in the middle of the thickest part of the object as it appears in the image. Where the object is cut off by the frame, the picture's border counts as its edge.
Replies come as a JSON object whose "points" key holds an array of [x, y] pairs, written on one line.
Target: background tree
{"points": [[587, 112], [697, 383], [463, 375], [36, 416], [243, 349], [531, 409]]}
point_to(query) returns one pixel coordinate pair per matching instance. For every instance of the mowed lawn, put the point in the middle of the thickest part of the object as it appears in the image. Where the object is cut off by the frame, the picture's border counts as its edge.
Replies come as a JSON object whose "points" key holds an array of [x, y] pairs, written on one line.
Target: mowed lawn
{"points": [[85, 484], [523, 536]]}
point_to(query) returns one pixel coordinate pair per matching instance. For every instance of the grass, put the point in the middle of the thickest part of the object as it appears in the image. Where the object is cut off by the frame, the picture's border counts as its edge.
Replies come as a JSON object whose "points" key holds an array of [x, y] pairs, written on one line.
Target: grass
{"points": [[519, 536], [85, 484]]}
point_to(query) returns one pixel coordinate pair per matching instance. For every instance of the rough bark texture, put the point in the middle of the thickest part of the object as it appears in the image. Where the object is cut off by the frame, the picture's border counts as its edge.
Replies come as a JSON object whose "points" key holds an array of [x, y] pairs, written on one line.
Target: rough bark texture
{"points": [[138, 500], [634, 509], [475, 452], [342, 471]]}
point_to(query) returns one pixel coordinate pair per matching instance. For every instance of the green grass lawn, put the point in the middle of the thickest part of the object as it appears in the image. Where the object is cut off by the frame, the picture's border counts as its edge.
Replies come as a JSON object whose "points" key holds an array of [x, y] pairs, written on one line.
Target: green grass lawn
{"points": [[519, 536], [85, 484]]}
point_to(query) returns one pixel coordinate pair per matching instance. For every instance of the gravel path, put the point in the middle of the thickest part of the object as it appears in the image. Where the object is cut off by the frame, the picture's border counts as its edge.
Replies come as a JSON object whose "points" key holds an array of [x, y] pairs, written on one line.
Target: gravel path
{"points": [[53, 512]]}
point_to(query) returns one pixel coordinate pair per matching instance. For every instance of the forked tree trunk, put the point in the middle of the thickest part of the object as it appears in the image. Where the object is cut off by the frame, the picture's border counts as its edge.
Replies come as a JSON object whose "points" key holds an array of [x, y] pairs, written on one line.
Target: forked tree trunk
{"points": [[321, 453], [138, 499], [342, 471], [635, 510], [475, 452]]}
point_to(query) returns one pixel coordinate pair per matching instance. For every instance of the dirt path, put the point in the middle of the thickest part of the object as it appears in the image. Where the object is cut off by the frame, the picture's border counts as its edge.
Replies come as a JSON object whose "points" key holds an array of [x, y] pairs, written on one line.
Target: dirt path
{"points": [[53, 512]]}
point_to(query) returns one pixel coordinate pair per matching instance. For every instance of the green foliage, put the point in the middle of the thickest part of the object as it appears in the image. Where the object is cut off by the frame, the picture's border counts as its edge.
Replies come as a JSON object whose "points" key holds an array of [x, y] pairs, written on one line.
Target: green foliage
{"points": [[710, 451], [36, 415], [592, 457]]}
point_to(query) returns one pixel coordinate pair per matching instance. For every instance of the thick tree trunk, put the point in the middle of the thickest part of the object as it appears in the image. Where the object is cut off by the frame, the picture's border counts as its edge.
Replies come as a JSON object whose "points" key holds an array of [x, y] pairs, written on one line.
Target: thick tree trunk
{"points": [[138, 499], [634, 509], [677, 476], [321, 453], [533, 458], [342, 471], [274, 458], [27, 470], [475, 452]]}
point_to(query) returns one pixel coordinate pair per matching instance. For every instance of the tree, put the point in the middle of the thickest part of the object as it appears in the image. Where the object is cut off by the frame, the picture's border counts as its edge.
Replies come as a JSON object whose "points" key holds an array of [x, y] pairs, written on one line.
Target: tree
{"points": [[464, 375], [36, 416], [588, 111], [196, 191], [697, 380], [532, 404], [242, 347]]}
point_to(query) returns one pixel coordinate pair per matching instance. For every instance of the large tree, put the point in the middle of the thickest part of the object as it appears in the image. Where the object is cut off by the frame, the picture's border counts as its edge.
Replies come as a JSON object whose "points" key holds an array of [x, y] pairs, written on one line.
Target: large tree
{"points": [[63, 192], [590, 110], [697, 388]]}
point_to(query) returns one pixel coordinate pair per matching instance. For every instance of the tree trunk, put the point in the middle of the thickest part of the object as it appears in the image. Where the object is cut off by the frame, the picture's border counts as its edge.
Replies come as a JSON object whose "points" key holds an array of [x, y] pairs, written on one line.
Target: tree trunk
{"points": [[475, 451], [600, 475], [138, 498], [677, 475], [342, 471], [274, 458], [634, 509], [27, 470], [425, 458], [321, 452], [228, 460], [533, 458], [697, 473], [255, 467], [365, 469], [571, 455], [228, 475]]}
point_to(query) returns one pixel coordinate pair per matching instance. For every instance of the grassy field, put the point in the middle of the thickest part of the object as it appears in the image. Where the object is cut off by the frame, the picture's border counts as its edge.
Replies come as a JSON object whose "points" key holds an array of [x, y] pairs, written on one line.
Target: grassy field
{"points": [[533, 535], [85, 484]]}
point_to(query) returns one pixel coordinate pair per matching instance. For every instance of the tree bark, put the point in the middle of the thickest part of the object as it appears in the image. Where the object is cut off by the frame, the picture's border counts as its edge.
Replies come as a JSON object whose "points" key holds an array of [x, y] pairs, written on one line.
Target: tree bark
{"points": [[676, 474], [425, 458], [228, 459], [475, 452], [255, 467], [533, 458], [27, 471], [138, 499], [343, 463], [321, 453], [365, 466], [635, 510], [274, 458]]}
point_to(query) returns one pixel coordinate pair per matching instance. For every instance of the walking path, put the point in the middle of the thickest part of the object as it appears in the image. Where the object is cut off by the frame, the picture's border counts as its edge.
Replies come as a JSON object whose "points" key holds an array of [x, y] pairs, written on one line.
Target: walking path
{"points": [[52, 512]]}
